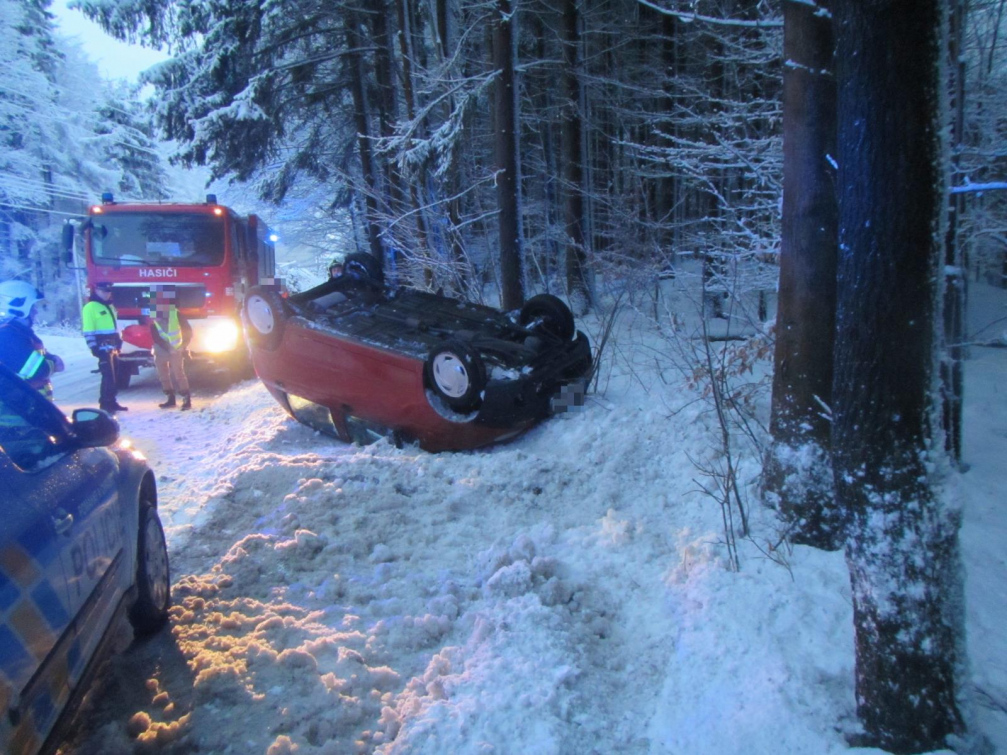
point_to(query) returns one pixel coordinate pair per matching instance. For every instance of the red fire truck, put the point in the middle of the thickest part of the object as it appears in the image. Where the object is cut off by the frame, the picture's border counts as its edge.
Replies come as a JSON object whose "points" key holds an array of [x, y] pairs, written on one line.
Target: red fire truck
{"points": [[208, 253]]}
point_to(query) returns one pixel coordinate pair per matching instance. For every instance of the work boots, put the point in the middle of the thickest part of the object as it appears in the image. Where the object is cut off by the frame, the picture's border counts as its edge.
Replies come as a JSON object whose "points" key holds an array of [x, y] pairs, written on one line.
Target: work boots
{"points": [[186, 402], [170, 402]]}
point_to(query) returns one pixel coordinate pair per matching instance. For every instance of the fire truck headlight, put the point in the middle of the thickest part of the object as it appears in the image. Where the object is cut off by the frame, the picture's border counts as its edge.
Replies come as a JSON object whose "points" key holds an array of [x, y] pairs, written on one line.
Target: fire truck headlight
{"points": [[222, 336]]}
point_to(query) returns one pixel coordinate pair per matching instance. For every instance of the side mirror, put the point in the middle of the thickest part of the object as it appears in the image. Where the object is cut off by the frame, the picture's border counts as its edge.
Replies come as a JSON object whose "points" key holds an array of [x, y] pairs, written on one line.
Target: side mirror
{"points": [[68, 233], [93, 428]]}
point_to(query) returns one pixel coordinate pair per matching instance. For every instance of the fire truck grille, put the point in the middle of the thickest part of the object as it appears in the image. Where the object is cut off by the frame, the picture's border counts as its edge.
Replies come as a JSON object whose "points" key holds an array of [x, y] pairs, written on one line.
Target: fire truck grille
{"points": [[132, 297]]}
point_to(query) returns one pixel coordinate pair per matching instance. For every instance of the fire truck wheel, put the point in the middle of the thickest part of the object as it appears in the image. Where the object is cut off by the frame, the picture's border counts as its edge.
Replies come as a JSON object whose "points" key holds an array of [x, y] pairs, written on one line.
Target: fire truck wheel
{"points": [[265, 315]]}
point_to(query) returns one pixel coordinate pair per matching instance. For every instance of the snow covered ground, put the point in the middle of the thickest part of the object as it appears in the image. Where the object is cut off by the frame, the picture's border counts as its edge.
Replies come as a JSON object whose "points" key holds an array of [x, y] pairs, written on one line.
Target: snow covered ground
{"points": [[563, 594]]}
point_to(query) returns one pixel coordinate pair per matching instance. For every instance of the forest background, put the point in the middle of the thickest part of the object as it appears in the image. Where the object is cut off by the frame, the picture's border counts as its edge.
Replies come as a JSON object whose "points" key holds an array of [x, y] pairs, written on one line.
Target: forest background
{"points": [[639, 135], [491, 150]]}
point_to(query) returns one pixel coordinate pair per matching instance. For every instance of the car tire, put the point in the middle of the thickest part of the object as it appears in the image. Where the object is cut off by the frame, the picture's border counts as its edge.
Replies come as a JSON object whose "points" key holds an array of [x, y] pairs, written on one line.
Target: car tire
{"points": [[363, 268], [153, 577], [548, 314], [581, 368], [264, 316], [456, 374]]}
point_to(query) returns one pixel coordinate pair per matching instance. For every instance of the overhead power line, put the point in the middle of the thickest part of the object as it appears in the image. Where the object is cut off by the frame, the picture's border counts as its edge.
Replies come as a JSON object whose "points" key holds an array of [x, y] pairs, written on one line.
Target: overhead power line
{"points": [[41, 209]]}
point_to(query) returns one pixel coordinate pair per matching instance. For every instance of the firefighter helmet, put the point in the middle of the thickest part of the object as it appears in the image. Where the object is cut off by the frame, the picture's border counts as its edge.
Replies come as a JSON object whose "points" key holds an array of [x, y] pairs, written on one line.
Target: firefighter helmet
{"points": [[17, 297]]}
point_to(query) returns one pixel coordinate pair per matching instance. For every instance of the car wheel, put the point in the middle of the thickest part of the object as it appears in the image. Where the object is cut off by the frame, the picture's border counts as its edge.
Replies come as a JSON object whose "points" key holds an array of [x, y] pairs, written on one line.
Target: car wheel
{"points": [[548, 314], [456, 374], [264, 314], [363, 268], [153, 578], [122, 377], [582, 367]]}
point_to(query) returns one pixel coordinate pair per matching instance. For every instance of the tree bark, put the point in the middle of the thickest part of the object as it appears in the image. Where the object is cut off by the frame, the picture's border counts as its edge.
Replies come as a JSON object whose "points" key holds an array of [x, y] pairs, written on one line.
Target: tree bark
{"points": [[572, 129], [393, 197], [371, 192], [405, 14], [506, 150], [902, 545], [798, 475], [955, 263]]}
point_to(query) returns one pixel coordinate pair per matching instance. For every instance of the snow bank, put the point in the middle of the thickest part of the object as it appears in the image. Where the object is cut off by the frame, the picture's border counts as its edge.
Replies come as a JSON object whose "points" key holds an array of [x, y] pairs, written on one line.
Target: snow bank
{"points": [[566, 593]]}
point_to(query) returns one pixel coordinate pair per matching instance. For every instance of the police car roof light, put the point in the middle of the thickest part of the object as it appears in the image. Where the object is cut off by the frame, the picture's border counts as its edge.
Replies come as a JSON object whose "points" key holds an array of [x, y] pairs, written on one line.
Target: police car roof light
{"points": [[107, 198]]}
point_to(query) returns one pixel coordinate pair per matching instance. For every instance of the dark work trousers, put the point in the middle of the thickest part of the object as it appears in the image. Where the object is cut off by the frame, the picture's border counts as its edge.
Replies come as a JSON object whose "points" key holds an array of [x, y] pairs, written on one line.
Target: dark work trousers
{"points": [[108, 363]]}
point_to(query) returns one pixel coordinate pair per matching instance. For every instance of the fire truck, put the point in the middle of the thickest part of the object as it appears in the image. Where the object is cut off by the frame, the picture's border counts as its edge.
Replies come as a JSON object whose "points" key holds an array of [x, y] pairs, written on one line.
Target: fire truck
{"points": [[206, 252]]}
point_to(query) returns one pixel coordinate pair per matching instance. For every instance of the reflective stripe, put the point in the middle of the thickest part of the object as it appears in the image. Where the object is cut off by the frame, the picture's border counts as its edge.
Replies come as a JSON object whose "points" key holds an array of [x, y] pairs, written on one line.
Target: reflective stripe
{"points": [[98, 318], [173, 335], [31, 366]]}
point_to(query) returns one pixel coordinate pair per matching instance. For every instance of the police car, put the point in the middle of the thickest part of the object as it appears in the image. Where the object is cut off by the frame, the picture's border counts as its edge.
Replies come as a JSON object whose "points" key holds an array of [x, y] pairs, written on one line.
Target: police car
{"points": [[81, 546]]}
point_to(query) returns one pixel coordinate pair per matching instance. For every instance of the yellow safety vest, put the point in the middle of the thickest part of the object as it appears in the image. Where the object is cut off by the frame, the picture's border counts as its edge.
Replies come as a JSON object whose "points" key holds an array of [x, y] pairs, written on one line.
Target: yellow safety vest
{"points": [[98, 322], [173, 335]]}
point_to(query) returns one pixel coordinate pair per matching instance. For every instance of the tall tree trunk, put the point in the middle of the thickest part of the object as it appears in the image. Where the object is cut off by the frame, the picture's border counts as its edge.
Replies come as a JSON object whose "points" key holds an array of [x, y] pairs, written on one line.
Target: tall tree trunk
{"points": [[955, 264], [371, 192], [393, 198], [406, 15], [798, 475], [572, 130], [668, 186], [902, 546], [445, 42], [506, 150], [542, 262]]}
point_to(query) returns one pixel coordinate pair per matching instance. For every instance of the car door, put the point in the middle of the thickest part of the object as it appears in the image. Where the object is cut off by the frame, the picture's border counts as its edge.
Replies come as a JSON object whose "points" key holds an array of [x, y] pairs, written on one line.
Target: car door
{"points": [[80, 486], [36, 635], [86, 485], [63, 547]]}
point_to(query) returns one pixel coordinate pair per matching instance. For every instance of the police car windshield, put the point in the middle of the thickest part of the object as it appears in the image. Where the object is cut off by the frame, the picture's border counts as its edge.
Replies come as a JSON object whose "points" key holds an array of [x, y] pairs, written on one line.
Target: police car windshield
{"points": [[136, 238]]}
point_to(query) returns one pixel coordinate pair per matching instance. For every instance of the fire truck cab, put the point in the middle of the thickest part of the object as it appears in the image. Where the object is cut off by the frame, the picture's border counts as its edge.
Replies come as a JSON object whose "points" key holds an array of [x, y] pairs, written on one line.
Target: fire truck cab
{"points": [[208, 254]]}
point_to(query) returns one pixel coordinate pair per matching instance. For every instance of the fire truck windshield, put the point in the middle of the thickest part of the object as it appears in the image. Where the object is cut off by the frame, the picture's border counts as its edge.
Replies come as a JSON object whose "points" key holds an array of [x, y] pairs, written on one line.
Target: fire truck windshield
{"points": [[147, 238]]}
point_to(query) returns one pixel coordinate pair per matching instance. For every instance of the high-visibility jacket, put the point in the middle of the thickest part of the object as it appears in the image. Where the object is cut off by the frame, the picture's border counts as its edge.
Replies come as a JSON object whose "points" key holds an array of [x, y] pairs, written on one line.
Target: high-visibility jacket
{"points": [[172, 334], [22, 352], [100, 326]]}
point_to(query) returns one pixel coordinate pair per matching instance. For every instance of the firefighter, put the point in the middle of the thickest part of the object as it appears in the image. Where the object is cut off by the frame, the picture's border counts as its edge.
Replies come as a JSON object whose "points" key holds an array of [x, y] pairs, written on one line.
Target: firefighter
{"points": [[101, 331], [171, 334], [20, 349], [335, 268]]}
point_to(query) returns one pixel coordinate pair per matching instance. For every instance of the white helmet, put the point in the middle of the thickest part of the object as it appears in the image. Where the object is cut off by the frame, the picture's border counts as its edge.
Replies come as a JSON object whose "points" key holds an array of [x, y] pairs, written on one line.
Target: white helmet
{"points": [[17, 298]]}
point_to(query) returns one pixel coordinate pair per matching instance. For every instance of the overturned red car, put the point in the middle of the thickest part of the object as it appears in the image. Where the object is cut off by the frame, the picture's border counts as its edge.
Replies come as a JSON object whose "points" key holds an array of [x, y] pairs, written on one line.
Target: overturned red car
{"points": [[357, 360]]}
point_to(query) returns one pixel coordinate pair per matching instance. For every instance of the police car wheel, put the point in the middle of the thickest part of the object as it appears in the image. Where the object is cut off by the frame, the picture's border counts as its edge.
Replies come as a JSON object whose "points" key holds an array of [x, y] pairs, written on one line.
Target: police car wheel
{"points": [[264, 314], [153, 578]]}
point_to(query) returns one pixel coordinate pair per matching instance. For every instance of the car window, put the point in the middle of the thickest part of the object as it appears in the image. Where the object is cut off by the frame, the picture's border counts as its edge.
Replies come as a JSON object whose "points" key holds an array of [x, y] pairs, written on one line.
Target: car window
{"points": [[32, 430]]}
